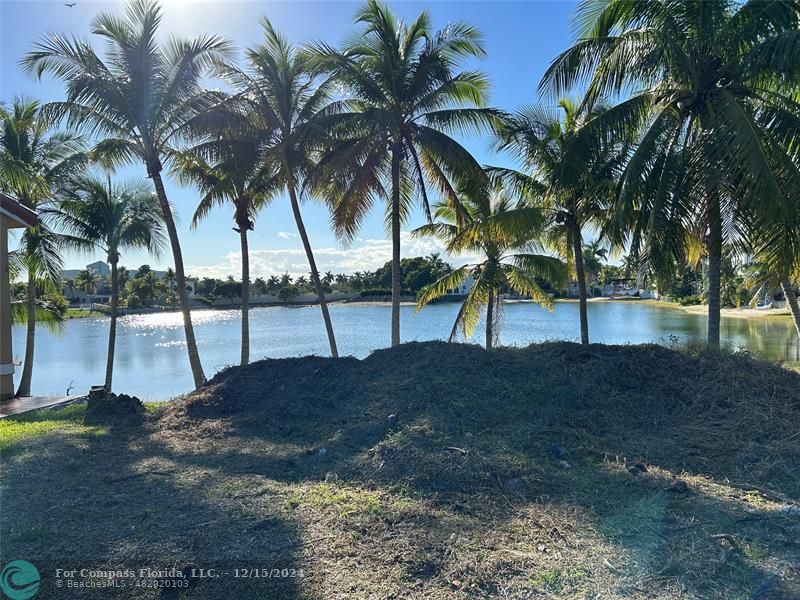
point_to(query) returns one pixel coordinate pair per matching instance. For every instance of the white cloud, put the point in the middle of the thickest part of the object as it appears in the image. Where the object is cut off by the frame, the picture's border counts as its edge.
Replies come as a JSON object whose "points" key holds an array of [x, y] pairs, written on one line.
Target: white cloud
{"points": [[366, 255], [287, 235]]}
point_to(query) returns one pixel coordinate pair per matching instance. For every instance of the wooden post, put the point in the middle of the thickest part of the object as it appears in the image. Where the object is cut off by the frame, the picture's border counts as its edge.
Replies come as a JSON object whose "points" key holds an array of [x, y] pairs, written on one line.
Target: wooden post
{"points": [[6, 353]]}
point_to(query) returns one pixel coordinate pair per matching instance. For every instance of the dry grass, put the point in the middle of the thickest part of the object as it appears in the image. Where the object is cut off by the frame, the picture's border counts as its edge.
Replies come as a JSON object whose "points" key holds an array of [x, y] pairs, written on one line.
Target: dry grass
{"points": [[507, 474]]}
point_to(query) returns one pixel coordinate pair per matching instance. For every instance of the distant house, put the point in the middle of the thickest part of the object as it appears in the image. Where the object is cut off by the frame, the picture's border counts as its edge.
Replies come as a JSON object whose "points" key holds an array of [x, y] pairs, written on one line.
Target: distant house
{"points": [[623, 286], [462, 290], [100, 268], [619, 287]]}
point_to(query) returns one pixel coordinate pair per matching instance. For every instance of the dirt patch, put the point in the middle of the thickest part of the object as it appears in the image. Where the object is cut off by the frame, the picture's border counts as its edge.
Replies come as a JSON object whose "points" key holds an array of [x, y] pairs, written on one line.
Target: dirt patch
{"points": [[440, 471], [118, 410]]}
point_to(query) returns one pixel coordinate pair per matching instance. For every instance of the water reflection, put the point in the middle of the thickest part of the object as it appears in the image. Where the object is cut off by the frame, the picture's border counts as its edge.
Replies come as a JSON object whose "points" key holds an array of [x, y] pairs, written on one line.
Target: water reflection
{"points": [[151, 357]]}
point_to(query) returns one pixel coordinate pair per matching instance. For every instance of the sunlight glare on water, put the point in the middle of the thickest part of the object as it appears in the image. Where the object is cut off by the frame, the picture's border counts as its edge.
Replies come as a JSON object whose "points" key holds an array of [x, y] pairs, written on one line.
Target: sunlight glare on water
{"points": [[151, 360]]}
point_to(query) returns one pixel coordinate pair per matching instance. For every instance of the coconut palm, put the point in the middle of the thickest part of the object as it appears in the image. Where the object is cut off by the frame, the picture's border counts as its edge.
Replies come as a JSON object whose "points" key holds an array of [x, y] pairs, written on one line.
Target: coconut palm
{"points": [[88, 280], [282, 104], [405, 97], [571, 178], [792, 300], [169, 279], [505, 234], [259, 285], [69, 286], [46, 313], [110, 219], [150, 285], [34, 161], [138, 99], [227, 170], [712, 87], [777, 250], [123, 277], [594, 254]]}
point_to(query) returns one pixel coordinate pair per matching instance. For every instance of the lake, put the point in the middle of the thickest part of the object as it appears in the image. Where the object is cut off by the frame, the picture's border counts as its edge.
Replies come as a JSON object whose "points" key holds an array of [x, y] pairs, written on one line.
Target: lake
{"points": [[151, 357]]}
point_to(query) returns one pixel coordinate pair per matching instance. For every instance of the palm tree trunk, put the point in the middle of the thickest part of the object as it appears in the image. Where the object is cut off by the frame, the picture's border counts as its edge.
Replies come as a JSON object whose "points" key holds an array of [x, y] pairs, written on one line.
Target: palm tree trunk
{"points": [[580, 273], [714, 267], [490, 320], [791, 299], [24, 388], [191, 343], [245, 294], [301, 229], [112, 329], [396, 274]]}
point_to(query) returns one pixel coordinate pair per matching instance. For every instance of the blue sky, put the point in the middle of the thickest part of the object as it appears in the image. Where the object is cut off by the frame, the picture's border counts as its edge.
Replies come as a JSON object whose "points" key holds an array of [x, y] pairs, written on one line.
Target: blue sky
{"points": [[520, 38]]}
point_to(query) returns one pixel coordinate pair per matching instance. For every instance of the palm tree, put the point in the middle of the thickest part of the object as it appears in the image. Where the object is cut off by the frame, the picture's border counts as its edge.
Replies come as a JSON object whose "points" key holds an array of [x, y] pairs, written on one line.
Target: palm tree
{"points": [[150, 285], [140, 97], [505, 233], [169, 279], [574, 180], [593, 256], [712, 88], [110, 219], [69, 286], [792, 300], [777, 250], [227, 170], [123, 277], [34, 160], [46, 313], [260, 286], [282, 104], [393, 132], [87, 280]]}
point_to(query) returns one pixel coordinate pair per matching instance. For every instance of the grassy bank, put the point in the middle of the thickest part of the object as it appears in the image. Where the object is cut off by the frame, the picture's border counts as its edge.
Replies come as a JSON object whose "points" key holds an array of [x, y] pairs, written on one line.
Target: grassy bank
{"points": [[733, 313], [80, 313], [433, 471]]}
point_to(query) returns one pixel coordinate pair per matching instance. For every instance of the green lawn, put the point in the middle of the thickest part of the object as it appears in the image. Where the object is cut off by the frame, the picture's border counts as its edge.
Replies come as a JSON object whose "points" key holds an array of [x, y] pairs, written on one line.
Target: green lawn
{"points": [[80, 313]]}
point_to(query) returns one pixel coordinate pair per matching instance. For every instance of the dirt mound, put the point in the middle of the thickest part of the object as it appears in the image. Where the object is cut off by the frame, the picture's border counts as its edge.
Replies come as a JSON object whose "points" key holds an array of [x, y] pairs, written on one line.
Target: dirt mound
{"points": [[728, 415], [438, 471], [113, 409]]}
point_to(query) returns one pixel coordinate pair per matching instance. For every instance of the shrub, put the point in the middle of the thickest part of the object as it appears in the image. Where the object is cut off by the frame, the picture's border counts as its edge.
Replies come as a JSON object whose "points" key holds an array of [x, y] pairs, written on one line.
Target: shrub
{"points": [[134, 301], [375, 292], [288, 292], [690, 300]]}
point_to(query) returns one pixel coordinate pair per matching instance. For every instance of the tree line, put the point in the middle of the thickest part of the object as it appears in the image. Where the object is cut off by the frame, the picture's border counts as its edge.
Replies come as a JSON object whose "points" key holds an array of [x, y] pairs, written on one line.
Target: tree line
{"points": [[667, 129]]}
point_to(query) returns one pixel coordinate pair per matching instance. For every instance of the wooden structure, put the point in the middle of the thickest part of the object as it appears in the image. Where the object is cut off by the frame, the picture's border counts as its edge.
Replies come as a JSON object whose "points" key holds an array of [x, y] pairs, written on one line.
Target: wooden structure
{"points": [[13, 214]]}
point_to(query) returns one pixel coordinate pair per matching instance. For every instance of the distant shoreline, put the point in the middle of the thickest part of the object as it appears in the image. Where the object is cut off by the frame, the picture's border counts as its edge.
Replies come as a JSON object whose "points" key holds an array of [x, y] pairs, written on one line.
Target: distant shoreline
{"points": [[701, 310]]}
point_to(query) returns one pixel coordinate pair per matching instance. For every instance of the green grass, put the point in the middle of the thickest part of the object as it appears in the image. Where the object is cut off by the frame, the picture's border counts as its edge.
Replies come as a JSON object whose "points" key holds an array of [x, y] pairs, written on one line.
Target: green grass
{"points": [[31, 426], [81, 313]]}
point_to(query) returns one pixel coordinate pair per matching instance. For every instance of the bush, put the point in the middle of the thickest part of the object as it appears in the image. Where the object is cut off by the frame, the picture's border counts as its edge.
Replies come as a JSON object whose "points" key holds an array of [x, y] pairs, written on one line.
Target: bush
{"points": [[690, 300], [134, 301], [375, 292], [288, 292]]}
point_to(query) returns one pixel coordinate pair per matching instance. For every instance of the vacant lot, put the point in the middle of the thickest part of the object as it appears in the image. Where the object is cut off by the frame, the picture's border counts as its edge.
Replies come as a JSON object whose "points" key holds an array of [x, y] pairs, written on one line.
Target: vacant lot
{"points": [[430, 471]]}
